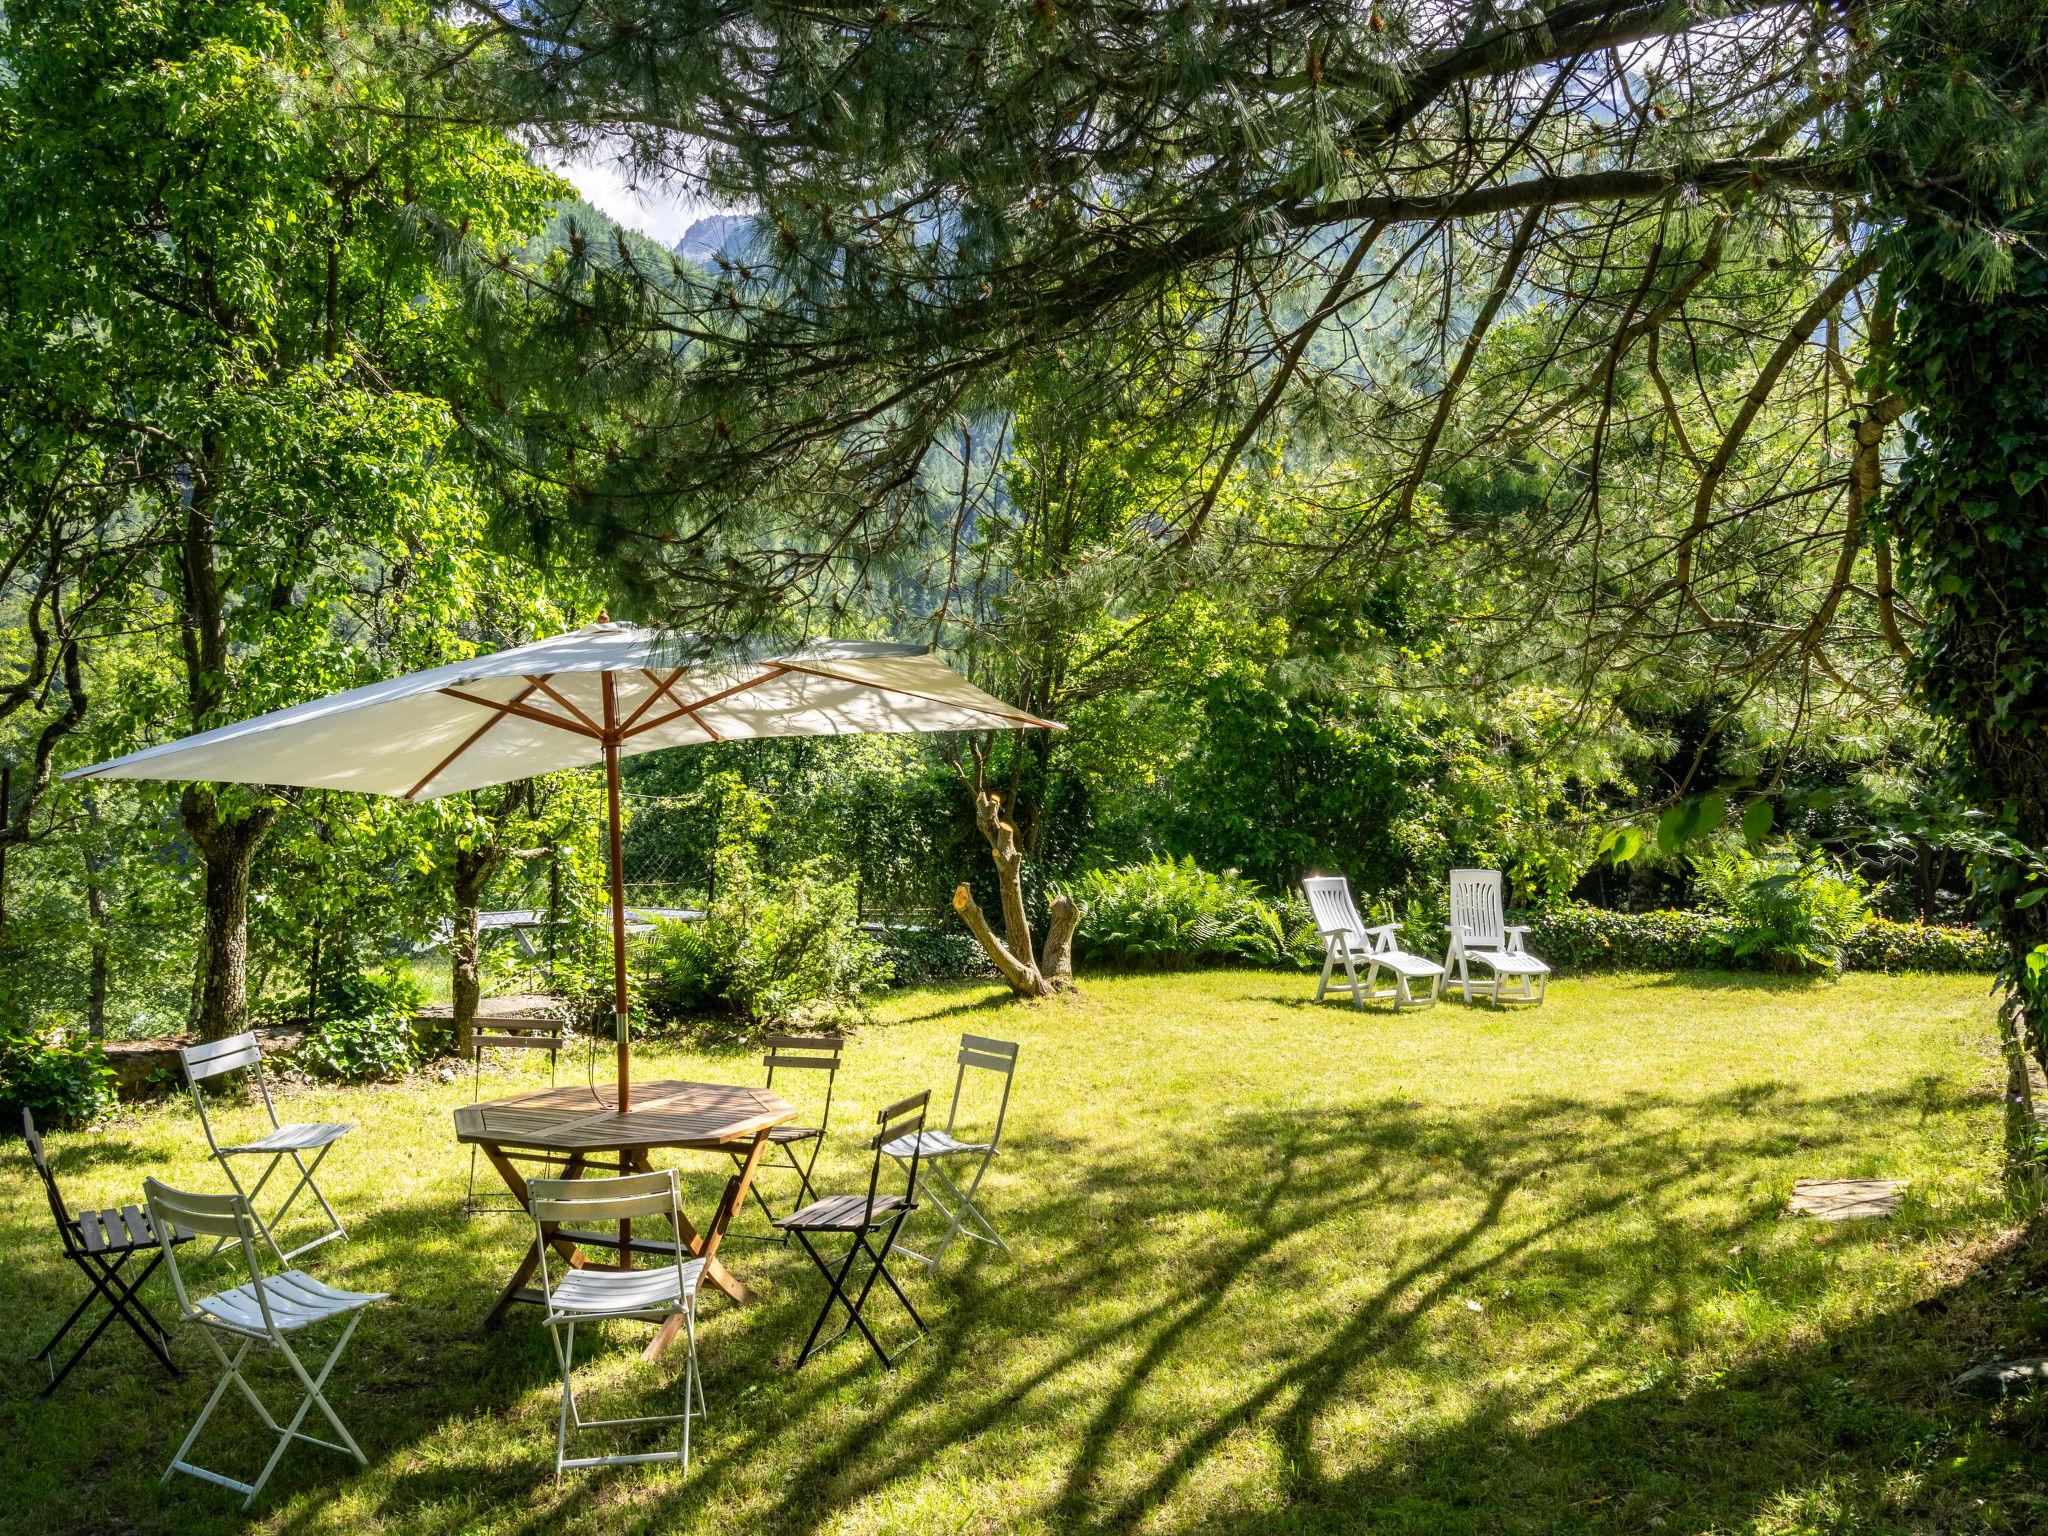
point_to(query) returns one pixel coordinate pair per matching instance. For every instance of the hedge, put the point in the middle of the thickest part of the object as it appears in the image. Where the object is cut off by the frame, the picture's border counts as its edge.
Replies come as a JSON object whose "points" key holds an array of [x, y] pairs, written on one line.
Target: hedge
{"points": [[1585, 938], [1886, 946]]}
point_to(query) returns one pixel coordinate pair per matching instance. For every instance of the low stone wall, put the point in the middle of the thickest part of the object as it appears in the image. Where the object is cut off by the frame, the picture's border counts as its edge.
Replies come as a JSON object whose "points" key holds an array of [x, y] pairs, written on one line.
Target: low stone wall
{"points": [[148, 1069]]}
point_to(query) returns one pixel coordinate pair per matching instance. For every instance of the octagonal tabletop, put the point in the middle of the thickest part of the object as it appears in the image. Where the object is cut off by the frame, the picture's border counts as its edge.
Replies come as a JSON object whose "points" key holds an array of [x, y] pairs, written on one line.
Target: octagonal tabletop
{"points": [[577, 1118]]}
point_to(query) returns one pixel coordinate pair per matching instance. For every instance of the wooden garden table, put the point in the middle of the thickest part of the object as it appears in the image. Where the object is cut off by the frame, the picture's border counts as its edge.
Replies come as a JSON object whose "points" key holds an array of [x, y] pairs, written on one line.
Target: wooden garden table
{"points": [[574, 1129]]}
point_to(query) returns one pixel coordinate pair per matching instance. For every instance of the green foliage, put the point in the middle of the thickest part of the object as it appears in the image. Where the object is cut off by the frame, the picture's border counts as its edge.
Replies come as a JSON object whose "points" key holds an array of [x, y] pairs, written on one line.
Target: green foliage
{"points": [[1169, 913], [1794, 912], [1279, 781], [1883, 945], [1575, 936], [394, 989], [915, 956], [367, 1026], [363, 1048], [59, 1077], [770, 950]]}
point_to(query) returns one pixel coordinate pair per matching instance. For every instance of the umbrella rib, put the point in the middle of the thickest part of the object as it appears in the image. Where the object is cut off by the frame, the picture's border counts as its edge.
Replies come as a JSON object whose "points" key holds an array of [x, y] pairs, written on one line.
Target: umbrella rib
{"points": [[911, 693], [548, 688], [525, 712], [647, 703], [467, 742], [712, 698]]}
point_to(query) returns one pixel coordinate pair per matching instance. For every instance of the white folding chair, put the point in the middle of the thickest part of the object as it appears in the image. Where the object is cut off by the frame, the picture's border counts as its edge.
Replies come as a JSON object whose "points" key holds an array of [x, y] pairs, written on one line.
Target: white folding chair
{"points": [[938, 1148], [284, 1140], [592, 1295], [1345, 937], [266, 1311], [1482, 936]]}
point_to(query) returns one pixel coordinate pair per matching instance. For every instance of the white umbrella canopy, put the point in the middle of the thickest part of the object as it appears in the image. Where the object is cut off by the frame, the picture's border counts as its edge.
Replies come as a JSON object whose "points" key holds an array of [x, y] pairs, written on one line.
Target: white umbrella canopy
{"points": [[599, 694], [556, 703]]}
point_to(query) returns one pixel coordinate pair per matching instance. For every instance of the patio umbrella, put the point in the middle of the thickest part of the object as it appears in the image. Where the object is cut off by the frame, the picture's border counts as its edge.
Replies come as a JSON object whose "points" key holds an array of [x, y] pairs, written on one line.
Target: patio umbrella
{"points": [[599, 694]]}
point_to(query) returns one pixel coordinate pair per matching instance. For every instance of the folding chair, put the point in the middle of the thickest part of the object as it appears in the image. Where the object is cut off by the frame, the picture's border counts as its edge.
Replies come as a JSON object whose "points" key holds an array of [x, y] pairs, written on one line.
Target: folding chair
{"points": [[100, 1243], [592, 1295], [1481, 935], [284, 1140], [1345, 937], [938, 1147], [266, 1311], [788, 1053], [508, 1034], [856, 1216]]}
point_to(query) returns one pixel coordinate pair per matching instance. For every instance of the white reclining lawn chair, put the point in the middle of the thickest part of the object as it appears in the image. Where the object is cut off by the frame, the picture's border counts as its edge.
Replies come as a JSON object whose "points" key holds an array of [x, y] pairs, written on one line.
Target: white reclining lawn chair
{"points": [[1345, 937], [283, 1140], [266, 1311], [1481, 935]]}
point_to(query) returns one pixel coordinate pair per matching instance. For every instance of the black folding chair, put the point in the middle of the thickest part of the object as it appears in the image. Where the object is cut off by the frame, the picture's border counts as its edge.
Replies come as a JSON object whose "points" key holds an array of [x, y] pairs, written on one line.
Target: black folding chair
{"points": [[100, 1243], [792, 1053], [857, 1216]]}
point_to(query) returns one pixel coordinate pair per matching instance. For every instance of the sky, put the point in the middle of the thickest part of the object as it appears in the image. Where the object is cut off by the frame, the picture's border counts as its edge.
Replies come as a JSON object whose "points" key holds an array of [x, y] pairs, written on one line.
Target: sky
{"points": [[606, 182]]}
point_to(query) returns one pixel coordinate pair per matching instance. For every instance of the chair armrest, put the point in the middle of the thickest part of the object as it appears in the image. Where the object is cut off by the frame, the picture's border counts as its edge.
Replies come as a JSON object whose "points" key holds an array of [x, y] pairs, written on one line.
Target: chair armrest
{"points": [[1384, 936], [1514, 932]]}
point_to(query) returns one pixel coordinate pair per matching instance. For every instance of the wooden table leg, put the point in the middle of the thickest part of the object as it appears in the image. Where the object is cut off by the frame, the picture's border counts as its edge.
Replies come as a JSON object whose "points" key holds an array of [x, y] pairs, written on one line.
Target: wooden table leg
{"points": [[706, 1247], [516, 1182]]}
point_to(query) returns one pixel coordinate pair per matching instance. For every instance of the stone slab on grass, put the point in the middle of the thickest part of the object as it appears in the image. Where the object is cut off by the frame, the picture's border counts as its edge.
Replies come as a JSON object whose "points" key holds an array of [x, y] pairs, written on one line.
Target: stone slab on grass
{"points": [[1846, 1199], [2004, 1378]]}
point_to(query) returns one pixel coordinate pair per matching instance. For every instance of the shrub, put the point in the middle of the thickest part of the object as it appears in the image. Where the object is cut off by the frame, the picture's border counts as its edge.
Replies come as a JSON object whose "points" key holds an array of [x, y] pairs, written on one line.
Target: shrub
{"points": [[1881, 945], [366, 994], [1170, 913], [1577, 937], [1580, 937], [769, 950], [367, 1026], [1791, 912], [913, 957], [59, 1079], [369, 1048]]}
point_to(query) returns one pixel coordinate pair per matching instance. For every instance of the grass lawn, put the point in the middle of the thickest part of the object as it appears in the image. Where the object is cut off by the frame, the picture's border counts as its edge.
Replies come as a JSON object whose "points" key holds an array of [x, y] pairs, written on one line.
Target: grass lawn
{"points": [[1281, 1268]]}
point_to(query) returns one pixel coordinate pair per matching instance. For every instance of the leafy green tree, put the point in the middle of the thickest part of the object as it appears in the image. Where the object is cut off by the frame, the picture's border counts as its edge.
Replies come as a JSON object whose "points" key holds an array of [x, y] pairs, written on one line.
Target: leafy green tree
{"points": [[217, 272]]}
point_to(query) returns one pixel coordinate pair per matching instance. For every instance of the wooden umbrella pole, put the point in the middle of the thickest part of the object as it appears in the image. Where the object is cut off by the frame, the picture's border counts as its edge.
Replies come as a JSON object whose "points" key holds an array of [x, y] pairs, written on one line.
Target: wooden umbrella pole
{"points": [[619, 1006], [619, 1015]]}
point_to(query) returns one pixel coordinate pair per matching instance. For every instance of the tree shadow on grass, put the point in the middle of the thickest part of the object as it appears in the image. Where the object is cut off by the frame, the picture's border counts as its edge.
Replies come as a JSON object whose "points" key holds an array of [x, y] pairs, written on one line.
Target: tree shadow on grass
{"points": [[1317, 1172], [1182, 1293]]}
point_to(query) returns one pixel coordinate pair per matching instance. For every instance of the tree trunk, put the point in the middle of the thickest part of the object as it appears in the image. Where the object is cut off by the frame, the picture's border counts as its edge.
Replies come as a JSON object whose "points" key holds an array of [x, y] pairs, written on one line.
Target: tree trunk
{"points": [[1970, 517], [472, 873], [228, 849], [95, 861], [1053, 970]]}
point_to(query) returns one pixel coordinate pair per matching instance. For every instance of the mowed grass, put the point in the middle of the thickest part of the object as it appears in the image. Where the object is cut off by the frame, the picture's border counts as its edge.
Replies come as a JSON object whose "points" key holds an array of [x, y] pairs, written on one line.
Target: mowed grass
{"points": [[1280, 1268]]}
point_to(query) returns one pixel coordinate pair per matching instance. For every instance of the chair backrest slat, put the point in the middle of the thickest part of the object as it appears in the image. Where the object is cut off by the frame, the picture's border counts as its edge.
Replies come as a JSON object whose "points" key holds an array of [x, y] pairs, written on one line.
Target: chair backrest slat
{"points": [[1476, 907], [988, 1055], [42, 1162], [901, 1120], [210, 1058], [1329, 899], [517, 1042], [603, 1200], [806, 1053]]}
